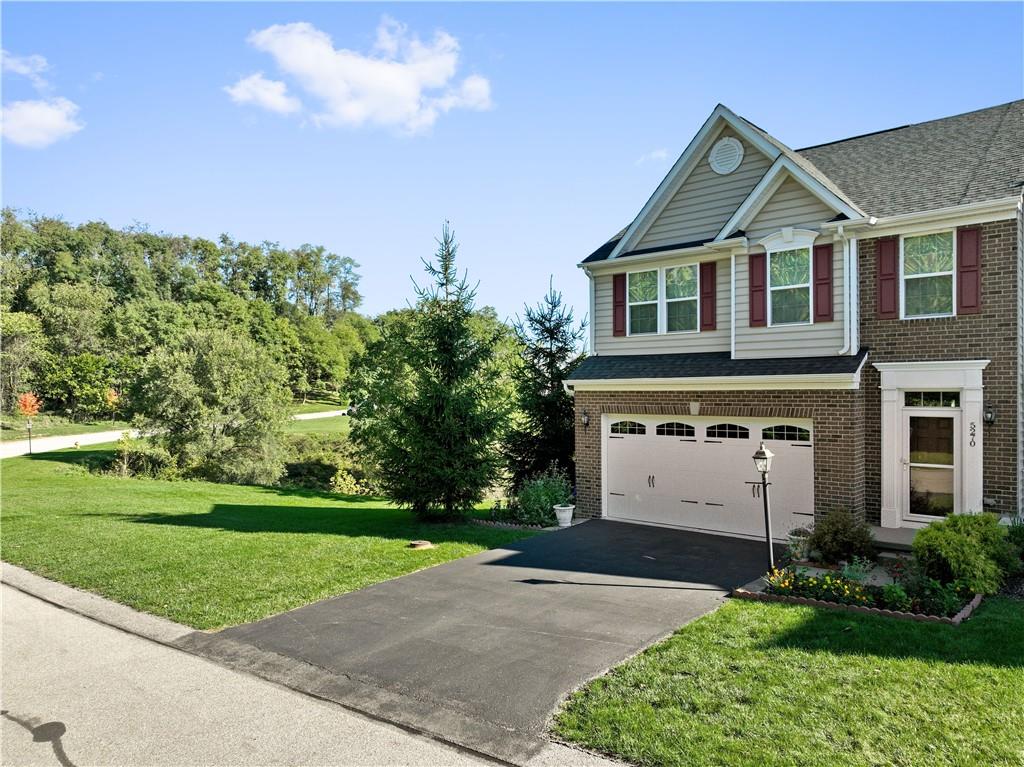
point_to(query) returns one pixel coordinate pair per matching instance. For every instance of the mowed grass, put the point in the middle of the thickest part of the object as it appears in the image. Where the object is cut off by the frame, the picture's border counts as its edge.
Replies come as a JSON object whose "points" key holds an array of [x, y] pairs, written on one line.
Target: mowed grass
{"points": [[338, 424], [209, 555], [772, 685], [13, 427], [318, 402]]}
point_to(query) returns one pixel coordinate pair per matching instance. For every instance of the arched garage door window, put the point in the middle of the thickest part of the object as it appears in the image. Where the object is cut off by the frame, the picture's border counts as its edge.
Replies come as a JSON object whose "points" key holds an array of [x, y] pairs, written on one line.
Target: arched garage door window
{"points": [[728, 431], [787, 433], [628, 427], [674, 429]]}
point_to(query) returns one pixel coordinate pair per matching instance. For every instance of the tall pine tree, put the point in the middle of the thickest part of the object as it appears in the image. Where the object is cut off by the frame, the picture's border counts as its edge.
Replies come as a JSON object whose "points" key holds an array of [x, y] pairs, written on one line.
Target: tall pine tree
{"points": [[429, 412], [542, 439]]}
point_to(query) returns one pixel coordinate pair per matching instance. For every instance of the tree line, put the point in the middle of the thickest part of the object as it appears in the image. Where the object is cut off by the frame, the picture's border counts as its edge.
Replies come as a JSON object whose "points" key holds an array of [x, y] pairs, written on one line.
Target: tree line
{"points": [[205, 344]]}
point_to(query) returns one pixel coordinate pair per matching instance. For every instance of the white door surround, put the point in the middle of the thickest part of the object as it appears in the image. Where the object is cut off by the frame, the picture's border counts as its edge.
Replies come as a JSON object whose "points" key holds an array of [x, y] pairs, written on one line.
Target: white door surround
{"points": [[897, 378]]}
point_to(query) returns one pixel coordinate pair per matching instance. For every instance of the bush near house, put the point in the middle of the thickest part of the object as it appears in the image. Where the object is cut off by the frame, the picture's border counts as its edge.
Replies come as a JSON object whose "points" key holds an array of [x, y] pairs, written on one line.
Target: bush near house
{"points": [[972, 550], [840, 537], [534, 503]]}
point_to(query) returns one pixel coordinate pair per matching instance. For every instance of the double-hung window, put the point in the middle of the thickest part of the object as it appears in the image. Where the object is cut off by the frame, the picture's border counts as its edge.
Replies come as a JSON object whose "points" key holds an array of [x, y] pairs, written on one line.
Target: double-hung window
{"points": [[789, 282], [642, 294], [928, 263], [681, 291]]}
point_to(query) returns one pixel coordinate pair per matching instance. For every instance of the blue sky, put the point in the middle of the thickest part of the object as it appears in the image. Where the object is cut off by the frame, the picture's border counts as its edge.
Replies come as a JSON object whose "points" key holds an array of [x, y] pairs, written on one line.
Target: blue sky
{"points": [[538, 130]]}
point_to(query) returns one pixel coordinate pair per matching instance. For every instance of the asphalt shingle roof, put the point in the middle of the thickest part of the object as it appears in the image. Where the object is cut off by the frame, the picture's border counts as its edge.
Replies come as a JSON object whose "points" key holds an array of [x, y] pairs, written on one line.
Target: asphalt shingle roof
{"points": [[952, 161], [705, 364], [955, 160]]}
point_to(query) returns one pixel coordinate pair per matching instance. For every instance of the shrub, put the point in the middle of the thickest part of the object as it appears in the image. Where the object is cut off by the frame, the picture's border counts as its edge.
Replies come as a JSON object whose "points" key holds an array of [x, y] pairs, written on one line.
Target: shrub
{"points": [[534, 503], [858, 569], [1015, 533], [895, 597], [973, 550], [139, 458], [840, 536], [326, 462], [930, 597]]}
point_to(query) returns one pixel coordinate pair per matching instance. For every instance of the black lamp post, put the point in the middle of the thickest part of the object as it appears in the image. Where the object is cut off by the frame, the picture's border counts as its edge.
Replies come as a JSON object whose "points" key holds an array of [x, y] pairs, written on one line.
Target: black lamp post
{"points": [[763, 464]]}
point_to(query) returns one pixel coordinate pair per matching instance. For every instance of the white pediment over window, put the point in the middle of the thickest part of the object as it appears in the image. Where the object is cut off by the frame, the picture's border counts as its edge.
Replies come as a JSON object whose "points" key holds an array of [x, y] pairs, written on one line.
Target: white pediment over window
{"points": [[788, 238]]}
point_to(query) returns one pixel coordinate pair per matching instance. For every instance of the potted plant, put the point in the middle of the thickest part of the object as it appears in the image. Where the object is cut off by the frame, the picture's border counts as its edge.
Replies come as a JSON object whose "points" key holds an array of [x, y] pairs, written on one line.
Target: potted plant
{"points": [[564, 513]]}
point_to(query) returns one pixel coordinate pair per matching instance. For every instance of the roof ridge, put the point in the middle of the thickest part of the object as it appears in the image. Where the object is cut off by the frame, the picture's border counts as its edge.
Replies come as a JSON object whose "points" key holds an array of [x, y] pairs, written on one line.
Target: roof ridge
{"points": [[910, 125]]}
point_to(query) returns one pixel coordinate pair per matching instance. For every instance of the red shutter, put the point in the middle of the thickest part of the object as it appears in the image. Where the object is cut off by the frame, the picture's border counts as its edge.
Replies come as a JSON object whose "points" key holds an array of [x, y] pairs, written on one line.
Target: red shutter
{"points": [[758, 289], [823, 283], [888, 278], [619, 304], [708, 293], [968, 270]]}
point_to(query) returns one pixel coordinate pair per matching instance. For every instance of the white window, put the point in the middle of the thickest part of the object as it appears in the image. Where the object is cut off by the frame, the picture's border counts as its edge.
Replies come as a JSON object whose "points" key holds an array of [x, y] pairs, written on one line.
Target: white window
{"points": [[789, 283], [927, 265], [642, 296], [681, 291]]}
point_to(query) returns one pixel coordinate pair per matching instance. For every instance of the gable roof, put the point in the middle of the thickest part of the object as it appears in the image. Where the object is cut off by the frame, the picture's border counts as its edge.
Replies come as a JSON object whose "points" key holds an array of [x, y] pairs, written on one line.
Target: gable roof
{"points": [[941, 163]]}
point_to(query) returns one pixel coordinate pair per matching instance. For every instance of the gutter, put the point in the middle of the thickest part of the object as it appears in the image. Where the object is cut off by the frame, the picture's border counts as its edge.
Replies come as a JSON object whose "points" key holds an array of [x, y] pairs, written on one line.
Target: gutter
{"points": [[1001, 205]]}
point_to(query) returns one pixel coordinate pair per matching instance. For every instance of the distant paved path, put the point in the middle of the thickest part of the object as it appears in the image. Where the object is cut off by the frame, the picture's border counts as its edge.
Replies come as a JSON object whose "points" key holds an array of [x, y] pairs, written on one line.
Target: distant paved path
{"points": [[77, 692], [46, 444]]}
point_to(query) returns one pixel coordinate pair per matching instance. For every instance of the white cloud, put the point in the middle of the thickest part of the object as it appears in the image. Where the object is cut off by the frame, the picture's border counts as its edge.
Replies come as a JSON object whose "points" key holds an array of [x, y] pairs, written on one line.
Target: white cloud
{"points": [[403, 82], [655, 155], [39, 123], [30, 67], [269, 94]]}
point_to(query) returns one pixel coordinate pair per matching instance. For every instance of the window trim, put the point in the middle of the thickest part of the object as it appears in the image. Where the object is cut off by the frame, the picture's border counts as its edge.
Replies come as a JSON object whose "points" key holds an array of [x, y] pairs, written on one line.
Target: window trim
{"points": [[663, 301], [656, 302], [903, 277], [666, 300], [808, 285]]}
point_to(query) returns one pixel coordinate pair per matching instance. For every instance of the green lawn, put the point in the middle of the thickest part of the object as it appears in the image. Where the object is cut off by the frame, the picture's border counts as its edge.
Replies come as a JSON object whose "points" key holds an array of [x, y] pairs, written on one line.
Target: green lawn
{"points": [[318, 402], [767, 684], [12, 427], [209, 555], [337, 424]]}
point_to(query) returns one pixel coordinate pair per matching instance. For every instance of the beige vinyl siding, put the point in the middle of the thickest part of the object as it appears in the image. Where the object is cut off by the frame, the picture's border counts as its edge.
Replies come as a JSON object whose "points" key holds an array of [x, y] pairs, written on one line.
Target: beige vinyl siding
{"points": [[716, 340], [818, 339], [706, 200], [790, 205]]}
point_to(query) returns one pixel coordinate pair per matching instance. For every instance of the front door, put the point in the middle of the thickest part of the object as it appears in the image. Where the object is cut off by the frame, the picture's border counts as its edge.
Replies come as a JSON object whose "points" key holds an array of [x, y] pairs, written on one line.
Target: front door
{"points": [[931, 471]]}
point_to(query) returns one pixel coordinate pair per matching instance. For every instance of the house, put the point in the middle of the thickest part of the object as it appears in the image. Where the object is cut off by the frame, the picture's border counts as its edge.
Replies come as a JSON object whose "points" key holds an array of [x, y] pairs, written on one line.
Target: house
{"points": [[856, 305]]}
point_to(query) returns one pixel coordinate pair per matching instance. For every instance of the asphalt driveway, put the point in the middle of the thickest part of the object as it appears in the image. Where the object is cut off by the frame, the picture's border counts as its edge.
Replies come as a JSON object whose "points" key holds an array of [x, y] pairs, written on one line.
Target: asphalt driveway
{"points": [[499, 638]]}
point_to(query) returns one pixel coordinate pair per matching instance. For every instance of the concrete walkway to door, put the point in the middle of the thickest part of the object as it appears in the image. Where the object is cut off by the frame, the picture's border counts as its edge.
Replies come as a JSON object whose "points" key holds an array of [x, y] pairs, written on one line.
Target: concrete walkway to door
{"points": [[481, 650]]}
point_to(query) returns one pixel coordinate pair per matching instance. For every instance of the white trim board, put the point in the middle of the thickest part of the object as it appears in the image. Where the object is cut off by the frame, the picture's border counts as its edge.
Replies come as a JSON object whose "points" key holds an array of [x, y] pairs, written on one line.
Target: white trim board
{"points": [[964, 376], [683, 167], [722, 383], [782, 169]]}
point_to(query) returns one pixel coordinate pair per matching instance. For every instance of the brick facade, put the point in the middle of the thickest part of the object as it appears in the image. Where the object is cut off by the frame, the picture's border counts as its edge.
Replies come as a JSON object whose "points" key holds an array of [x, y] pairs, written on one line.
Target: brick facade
{"points": [[847, 424], [838, 434], [991, 334]]}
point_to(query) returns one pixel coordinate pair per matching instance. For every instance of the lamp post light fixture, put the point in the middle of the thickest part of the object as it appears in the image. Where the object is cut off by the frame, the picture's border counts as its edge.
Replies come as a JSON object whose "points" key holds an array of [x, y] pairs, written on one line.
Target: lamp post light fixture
{"points": [[763, 464]]}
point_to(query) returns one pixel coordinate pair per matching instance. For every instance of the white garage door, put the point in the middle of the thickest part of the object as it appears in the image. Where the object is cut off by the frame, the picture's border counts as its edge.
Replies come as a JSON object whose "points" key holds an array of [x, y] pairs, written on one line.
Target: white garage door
{"points": [[690, 472]]}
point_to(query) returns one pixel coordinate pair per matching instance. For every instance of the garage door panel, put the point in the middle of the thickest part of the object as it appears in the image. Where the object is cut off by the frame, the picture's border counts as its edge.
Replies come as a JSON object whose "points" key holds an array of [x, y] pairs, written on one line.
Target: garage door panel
{"points": [[666, 476]]}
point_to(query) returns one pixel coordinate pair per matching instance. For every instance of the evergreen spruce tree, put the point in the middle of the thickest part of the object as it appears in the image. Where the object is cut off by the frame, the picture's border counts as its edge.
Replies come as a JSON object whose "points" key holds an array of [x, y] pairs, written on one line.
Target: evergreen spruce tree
{"points": [[429, 412], [542, 438]]}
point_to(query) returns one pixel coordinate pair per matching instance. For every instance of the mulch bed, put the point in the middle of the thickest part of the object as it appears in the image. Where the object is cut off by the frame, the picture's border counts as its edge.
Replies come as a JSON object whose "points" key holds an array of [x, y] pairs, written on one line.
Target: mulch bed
{"points": [[956, 620], [1014, 587]]}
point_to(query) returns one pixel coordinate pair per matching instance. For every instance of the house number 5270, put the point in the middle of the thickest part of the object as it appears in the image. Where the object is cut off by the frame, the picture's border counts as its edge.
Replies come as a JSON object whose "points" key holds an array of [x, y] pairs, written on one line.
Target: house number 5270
{"points": [[974, 432]]}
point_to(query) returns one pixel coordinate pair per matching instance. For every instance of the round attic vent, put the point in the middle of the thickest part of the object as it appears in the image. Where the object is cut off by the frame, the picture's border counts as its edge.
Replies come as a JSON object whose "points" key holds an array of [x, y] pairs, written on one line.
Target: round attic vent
{"points": [[725, 156]]}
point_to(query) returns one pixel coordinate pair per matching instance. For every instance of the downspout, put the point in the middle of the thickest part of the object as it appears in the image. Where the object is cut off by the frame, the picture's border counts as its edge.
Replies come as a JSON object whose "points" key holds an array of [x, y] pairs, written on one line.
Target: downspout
{"points": [[732, 307], [592, 319], [854, 296], [847, 289]]}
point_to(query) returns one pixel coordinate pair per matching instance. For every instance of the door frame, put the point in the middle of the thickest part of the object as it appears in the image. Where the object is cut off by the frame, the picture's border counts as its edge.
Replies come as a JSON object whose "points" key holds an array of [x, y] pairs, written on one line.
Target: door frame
{"points": [[897, 378], [955, 415]]}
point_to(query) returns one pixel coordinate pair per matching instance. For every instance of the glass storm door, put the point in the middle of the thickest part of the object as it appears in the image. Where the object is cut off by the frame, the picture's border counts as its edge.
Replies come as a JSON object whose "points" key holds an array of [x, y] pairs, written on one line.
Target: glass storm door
{"points": [[930, 464]]}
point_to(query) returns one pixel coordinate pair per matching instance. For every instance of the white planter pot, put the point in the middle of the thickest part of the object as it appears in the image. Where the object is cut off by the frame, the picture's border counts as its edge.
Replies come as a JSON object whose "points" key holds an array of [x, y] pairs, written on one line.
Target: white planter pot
{"points": [[564, 514]]}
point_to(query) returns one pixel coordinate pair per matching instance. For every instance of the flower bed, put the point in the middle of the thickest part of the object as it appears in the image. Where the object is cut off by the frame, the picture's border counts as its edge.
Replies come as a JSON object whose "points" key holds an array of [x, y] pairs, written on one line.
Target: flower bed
{"points": [[926, 601]]}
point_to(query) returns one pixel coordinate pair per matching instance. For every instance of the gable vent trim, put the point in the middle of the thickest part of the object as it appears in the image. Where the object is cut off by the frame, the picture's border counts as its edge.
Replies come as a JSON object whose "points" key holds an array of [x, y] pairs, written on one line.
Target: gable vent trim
{"points": [[725, 156]]}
